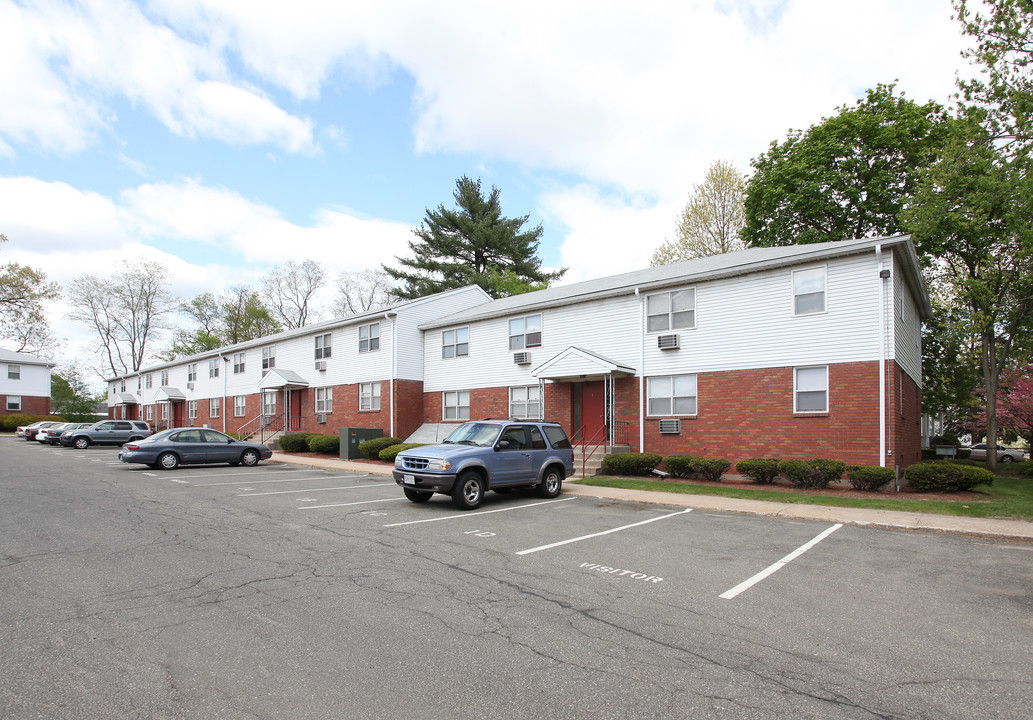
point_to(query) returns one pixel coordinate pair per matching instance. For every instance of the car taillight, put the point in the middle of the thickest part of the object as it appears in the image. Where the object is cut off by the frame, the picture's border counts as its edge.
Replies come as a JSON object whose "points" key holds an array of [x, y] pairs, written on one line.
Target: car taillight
{"points": [[130, 446]]}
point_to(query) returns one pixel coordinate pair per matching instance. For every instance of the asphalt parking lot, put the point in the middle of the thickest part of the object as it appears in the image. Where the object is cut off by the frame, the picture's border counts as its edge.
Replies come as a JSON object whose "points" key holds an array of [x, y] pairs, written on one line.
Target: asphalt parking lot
{"points": [[283, 590]]}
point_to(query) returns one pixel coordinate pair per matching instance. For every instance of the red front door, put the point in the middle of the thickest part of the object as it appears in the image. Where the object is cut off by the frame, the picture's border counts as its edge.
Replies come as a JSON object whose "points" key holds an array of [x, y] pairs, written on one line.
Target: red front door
{"points": [[593, 411]]}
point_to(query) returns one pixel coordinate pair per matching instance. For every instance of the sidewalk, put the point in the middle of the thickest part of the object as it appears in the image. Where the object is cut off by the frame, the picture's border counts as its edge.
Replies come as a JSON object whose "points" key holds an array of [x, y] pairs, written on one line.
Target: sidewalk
{"points": [[991, 528]]}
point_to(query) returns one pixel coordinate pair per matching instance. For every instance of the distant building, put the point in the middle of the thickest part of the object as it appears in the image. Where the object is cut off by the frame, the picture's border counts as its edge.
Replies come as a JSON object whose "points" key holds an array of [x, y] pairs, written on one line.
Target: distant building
{"points": [[24, 383]]}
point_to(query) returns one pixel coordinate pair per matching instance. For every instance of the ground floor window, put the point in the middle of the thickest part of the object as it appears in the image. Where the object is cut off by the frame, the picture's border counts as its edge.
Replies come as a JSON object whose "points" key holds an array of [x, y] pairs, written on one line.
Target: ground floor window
{"points": [[369, 396], [150, 412], [269, 403], [214, 407], [192, 410], [239, 405], [455, 405], [14, 402], [165, 412], [324, 400], [525, 402], [811, 389], [671, 395]]}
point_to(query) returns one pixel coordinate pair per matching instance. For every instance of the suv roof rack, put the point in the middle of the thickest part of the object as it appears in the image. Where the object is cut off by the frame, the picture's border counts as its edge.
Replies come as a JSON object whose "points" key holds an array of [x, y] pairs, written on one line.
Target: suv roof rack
{"points": [[516, 419]]}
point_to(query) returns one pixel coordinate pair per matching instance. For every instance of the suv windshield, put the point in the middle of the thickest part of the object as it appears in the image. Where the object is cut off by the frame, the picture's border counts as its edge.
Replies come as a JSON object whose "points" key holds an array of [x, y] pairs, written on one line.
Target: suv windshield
{"points": [[479, 434]]}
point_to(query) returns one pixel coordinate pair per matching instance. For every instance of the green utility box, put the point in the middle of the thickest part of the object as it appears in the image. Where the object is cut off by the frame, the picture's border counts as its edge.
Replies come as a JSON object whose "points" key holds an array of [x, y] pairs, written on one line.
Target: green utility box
{"points": [[351, 437]]}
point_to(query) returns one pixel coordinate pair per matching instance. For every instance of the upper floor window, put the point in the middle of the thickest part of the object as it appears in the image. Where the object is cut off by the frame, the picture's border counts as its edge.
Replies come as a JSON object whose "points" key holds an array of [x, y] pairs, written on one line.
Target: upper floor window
{"points": [[139, 383], [525, 332], [164, 378], [148, 381], [191, 372], [123, 385], [671, 311], [14, 372], [671, 395], [369, 337], [455, 343], [238, 363], [323, 346], [213, 368], [809, 291], [268, 359], [811, 389]]}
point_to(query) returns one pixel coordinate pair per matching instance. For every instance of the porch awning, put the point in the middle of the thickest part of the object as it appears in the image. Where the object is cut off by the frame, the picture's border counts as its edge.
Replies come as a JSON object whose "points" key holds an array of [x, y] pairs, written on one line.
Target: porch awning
{"points": [[575, 363], [166, 394], [125, 399], [277, 379]]}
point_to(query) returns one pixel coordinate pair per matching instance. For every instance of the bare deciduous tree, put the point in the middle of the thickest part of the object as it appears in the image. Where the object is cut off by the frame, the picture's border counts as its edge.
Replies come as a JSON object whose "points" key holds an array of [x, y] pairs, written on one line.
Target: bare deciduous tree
{"points": [[359, 292], [290, 288]]}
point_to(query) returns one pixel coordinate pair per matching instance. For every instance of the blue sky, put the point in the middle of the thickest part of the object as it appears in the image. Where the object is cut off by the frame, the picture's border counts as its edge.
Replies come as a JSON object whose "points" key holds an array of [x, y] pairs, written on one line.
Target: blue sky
{"points": [[224, 137]]}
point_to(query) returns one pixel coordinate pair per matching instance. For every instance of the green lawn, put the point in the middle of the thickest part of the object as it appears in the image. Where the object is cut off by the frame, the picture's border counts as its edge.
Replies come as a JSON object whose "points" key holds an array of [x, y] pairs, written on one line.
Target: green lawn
{"points": [[1010, 496]]}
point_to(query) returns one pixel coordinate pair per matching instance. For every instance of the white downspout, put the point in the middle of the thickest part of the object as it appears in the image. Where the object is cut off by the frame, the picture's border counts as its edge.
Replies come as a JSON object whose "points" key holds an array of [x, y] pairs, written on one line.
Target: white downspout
{"points": [[882, 356], [641, 372], [394, 368]]}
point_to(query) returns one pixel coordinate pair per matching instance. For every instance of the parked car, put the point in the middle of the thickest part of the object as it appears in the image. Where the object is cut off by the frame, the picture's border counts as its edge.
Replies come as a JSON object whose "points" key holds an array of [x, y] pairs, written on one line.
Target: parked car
{"points": [[21, 429], [52, 434], [32, 430], [106, 432], [487, 455], [169, 449], [1004, 454]]}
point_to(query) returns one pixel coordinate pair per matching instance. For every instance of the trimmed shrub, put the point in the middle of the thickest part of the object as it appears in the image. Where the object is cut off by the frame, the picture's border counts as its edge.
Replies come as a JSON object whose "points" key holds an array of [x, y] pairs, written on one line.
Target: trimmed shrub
{"points": [[963, 453], [831, 470], [972, 476], [689, 466], [372, 448], [295, 442], [870, 478], [10, 423], [816, 473], [1025, 468], [939, 475], [631, 463], [679, 466], [388, 453], [325, 444], [759, 470]]}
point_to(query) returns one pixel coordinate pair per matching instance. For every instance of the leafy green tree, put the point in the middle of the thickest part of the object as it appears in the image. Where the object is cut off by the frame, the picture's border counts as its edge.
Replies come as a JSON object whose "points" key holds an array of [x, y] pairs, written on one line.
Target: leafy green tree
{"points": [[70, 396], [473, 244], [849, 176], [235, 316], [712, 219], [22, 293]]}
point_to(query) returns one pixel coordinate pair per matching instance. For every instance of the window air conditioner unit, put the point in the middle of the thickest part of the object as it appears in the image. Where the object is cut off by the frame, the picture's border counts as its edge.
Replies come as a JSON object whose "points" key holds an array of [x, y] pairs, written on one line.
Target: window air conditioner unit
{"points": [[320, 364], [668, 342], [267, 419], [321, 419], [670, 426], [522, 358], [190, 386]]}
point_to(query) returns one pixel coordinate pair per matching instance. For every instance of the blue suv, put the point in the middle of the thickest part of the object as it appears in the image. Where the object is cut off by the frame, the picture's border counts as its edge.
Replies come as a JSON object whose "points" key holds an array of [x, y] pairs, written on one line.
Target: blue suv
{"points": [[487, 455]]}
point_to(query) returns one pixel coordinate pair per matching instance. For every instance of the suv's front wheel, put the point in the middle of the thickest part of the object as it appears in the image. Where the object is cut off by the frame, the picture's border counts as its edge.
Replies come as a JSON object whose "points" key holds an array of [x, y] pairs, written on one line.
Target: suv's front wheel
{"points": [[468, 491], [551, 484]]}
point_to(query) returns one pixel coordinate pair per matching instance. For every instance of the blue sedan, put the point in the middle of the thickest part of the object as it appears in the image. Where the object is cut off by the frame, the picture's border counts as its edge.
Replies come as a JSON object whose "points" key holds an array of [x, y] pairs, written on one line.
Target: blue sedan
{"points": [[192, 446]]}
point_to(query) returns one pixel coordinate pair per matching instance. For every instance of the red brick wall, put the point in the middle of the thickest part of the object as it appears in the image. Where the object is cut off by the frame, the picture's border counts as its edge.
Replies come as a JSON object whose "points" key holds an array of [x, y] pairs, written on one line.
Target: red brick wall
{"points": [[906, 427], [31, 405], [408, 407]]}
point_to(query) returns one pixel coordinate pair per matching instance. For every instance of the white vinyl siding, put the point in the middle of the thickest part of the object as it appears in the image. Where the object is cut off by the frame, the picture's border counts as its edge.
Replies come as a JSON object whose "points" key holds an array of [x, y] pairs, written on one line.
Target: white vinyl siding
{"points": [[811, 389]]}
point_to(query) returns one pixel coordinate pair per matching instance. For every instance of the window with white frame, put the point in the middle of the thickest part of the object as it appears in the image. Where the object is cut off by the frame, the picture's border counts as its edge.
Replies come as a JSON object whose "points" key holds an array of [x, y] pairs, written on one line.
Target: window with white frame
{"points": [[150, 413], [191, 372], [525, 402], [455, 405], [213, 368], [268, 359], [148, 380], [323, 346], [165, 412], [525, 332], [369, 396], [192, 410], [123, 385], [239, 405], [369, 337], [809, 291], [14, 403], [164, 378], [269, 403], [139, 383], [214, 405], [14, 372], [324, 400], [455, 343], [671, 395], [238, 363], [671, 310], [811, 389]]}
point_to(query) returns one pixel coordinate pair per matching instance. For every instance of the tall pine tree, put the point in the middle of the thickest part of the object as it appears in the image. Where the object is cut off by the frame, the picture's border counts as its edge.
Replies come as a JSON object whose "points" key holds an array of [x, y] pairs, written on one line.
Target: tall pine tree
{"points": [[472, 244]]}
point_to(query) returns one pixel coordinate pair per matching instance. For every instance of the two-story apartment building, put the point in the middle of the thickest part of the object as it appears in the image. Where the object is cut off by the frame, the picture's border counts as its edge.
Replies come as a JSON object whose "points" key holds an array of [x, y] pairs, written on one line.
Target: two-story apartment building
{"points": [[802, 351], [24, 383]]}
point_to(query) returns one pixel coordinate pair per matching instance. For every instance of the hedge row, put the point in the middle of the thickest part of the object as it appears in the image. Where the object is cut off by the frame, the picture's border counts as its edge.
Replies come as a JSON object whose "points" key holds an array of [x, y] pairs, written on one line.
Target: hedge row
{"points": [[371, 448], [10, 423], [311, 442], [946, 476]]}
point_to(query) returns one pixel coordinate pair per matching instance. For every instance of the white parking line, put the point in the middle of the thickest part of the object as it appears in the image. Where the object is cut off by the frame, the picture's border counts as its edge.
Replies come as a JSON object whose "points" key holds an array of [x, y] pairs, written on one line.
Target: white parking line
{"points": [[289, 492], [261, 482], [473, 514], [747, 584], [604, 532], [360, 502], [234, 473]]}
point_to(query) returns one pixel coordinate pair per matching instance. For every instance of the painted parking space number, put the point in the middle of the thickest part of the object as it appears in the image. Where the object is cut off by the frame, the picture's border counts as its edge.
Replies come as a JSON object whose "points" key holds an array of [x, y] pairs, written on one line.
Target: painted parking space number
{"points": [[479, 533]]}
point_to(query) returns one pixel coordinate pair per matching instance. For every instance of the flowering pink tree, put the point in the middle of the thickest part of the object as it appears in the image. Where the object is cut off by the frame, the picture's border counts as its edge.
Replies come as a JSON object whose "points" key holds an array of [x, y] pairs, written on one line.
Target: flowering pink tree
{"points": [[1015, 403]]}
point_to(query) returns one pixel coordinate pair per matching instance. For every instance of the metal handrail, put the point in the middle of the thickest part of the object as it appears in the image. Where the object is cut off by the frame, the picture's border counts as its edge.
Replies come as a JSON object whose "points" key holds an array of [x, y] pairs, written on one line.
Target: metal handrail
{"points": [[594, 442]]}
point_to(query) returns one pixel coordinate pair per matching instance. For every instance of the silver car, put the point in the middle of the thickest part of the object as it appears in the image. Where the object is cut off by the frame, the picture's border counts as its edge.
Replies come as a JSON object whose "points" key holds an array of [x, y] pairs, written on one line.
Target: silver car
{"points": [[1004, 454]]}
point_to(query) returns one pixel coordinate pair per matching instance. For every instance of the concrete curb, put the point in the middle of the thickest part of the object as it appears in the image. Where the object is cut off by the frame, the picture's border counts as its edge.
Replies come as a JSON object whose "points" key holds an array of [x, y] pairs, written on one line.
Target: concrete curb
{"points": [[987, 528]]}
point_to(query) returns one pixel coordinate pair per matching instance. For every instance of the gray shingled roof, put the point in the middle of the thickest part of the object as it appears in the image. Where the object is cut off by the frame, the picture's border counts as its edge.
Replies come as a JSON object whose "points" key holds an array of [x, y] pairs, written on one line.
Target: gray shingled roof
{"points": [[707, 268]]}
